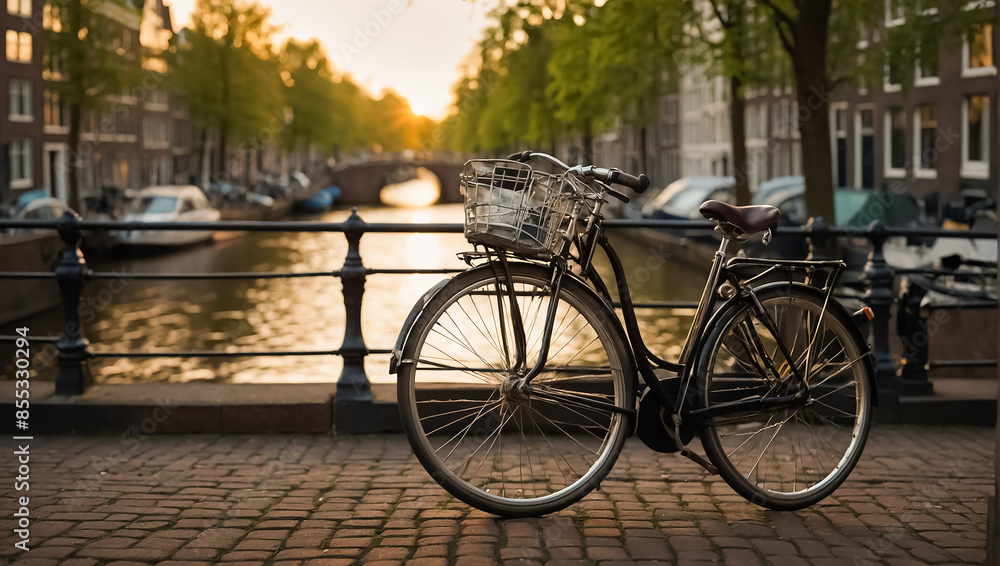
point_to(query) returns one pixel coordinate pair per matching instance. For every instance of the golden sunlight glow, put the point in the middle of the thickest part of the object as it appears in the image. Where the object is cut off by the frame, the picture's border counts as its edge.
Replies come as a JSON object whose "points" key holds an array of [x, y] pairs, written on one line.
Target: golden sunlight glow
{"points": [[423, 191], [430, 102], [422, 250], [413, 48]]}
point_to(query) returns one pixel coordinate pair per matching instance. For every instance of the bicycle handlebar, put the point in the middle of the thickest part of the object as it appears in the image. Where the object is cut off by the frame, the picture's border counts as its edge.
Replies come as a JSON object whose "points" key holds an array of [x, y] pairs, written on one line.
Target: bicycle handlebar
{"points": [[610, 176]]}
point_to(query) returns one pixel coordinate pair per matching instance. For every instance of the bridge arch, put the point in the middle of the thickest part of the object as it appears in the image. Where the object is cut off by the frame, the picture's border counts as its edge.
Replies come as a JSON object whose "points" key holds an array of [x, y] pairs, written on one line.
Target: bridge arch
{"points": [[361, 183]]}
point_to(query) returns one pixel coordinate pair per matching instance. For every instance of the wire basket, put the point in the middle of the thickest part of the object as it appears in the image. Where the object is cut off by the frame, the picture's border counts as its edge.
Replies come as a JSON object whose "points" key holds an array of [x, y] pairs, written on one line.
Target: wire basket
{"points": [[510, 206]]}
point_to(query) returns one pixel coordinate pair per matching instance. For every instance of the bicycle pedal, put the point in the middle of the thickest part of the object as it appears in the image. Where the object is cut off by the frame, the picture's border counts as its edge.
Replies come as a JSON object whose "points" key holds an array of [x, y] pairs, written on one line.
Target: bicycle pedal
{"points": [[697, 459]]}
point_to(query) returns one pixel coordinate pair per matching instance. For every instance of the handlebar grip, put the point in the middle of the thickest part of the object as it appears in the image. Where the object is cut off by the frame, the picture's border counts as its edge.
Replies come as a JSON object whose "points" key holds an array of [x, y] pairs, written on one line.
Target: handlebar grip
{"points": [[522, 156], [638, 184]]}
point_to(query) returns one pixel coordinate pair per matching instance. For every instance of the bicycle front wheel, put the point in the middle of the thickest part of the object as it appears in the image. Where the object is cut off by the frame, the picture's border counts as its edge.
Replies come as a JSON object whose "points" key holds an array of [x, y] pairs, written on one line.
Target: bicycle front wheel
{"points": [[793, 455], [500, 449]]}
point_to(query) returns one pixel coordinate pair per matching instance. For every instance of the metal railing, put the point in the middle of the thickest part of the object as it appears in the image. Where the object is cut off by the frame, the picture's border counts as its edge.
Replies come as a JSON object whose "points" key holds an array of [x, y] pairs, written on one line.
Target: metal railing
{"points": [[72, 274]]}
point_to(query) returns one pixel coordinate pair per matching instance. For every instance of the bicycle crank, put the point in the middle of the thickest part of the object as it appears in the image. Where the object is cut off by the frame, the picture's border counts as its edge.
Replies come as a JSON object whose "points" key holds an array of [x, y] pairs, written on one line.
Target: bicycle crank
{"points": [[656, 428]]}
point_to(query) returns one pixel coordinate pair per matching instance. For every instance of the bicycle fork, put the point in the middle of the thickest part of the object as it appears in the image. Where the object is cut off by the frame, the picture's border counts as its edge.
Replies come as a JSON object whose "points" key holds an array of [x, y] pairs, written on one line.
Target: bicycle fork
{"points": [[517, 323]]}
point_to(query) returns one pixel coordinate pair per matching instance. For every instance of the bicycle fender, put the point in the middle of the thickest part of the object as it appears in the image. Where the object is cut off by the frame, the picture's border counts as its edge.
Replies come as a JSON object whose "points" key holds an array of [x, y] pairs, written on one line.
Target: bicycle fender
{"points": [[404, 332], [730, 306]]}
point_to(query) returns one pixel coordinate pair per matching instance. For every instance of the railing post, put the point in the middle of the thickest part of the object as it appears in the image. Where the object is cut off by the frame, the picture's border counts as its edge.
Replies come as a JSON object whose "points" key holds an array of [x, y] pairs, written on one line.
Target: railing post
{"points": [[72, 274], [353, 386], [911, 325], [878, 276]]}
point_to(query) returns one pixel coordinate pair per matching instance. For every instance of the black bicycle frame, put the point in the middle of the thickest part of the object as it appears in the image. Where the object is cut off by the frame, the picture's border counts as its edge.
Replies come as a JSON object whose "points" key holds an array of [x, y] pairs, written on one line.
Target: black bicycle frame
{"points": [[721, 271]]}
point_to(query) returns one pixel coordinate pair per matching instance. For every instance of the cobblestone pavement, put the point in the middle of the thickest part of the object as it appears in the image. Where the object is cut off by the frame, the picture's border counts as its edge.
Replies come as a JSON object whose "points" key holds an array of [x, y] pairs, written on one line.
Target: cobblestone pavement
{"points": [[917, 497]]}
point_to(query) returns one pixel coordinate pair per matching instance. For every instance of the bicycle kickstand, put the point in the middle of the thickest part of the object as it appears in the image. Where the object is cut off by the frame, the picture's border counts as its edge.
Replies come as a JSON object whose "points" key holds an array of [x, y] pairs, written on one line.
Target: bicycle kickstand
{"points": [[693, 456]]}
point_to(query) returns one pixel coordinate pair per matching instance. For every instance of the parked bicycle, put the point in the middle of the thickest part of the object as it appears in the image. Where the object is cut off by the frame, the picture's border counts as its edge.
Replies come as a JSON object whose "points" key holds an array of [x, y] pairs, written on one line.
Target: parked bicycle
{"points": [[518, 382]]}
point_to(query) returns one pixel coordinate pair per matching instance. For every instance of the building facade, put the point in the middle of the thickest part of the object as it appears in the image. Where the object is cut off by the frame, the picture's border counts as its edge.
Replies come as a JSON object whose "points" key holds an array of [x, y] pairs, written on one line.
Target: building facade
{"points": [[936, 139], [138, 138], [932, 138], [21, 98]]}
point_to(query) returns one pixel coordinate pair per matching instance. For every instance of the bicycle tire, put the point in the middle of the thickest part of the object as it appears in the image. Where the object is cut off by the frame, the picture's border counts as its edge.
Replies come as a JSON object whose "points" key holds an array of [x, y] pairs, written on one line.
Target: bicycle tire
{"points": [[448, 406], [762, 455]]}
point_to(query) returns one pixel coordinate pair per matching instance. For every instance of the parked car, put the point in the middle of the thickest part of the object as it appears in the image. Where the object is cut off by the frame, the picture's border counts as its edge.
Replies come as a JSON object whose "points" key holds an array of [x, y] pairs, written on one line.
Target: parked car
{"points": [[853, 208], [680, 200]]}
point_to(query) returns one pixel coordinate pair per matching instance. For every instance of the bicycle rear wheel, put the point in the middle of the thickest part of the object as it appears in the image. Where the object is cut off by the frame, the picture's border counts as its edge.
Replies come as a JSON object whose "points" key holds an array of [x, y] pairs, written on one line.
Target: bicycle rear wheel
{"points": [[505, 451], [793, 456]]}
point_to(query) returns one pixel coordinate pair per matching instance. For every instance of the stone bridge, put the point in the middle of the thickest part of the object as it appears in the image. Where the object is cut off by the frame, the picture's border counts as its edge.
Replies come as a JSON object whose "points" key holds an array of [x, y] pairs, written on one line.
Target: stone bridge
{"points": [[360, 184]]}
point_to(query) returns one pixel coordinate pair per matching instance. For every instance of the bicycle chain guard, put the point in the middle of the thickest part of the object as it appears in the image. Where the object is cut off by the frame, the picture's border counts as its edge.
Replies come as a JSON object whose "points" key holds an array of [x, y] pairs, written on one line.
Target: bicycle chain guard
{"points": [[655, 426]]}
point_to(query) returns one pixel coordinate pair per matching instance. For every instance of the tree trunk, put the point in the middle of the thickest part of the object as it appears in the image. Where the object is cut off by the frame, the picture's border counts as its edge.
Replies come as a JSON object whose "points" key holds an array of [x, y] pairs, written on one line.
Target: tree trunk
{"points": [[247, 162], [811, 83], [588, 144], [73, 198], [737, 131], [644, 148], [206, 159], [224, 120]]}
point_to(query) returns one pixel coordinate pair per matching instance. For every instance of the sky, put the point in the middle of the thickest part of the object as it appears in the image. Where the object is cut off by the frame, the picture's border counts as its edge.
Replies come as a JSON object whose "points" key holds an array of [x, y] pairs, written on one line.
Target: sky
{"points": [[411, 46]]}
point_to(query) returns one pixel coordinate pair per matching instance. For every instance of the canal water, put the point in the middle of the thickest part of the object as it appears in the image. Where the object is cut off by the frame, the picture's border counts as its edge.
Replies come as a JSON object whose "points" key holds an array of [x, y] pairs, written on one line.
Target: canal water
{"points": [[128, 315]]}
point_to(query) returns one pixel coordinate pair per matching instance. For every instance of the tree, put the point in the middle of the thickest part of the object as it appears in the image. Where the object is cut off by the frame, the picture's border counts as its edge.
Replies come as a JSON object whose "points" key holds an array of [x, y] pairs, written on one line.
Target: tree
{"points": [[309, 91], [804, 28], [81, 43], [505, 100], [581, 101], [635, 46], [230, 75]]}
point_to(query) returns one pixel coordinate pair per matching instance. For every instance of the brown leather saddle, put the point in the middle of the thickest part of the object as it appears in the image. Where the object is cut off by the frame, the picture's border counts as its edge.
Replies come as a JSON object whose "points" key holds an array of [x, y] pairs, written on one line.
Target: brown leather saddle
{"points": [[747, 219]]}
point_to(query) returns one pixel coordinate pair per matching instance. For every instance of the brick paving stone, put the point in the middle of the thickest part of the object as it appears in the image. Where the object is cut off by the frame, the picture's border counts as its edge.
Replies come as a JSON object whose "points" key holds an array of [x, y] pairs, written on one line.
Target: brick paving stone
{"points": [[740, 557], [195, 554], [319, 500]]}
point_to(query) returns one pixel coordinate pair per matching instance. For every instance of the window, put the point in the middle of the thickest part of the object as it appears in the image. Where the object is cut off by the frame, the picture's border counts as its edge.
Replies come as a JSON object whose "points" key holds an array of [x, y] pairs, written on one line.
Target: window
{"points": [[895, 140], [927, 62], [839, 145], [925, 125], [20, 164], [977, 53], [18, 46], [20, 101], [19, 8], [670, 120], [52, 17], [54, 113], [156, 132], [52, 66], [893, 75], [864, 147], [976, 136], [779, 119], [894, 12], [867, 119]]}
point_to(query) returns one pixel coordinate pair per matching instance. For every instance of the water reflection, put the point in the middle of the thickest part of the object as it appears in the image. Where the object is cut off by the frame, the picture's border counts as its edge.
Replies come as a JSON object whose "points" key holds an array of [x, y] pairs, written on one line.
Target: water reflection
{"points": [[130, 315]]}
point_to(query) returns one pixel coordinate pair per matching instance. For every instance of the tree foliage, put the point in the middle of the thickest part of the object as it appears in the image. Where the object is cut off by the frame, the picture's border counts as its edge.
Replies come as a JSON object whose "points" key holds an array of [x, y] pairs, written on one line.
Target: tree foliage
{"points": [[227, 68], [239, 86]]}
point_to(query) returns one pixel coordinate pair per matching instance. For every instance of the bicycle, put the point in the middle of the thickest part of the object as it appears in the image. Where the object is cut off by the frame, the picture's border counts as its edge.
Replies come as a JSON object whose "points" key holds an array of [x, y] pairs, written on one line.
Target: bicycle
{"points": [[517, 380]]}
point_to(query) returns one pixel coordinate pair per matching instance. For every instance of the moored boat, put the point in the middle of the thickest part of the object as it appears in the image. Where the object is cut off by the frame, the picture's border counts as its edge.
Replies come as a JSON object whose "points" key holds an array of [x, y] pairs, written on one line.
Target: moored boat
{"points": [[171, 203]]}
